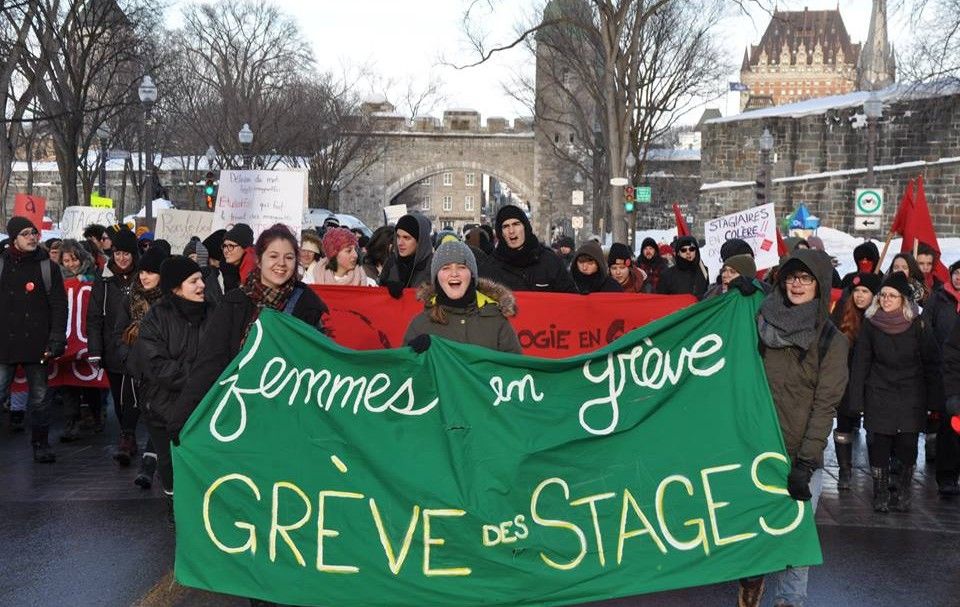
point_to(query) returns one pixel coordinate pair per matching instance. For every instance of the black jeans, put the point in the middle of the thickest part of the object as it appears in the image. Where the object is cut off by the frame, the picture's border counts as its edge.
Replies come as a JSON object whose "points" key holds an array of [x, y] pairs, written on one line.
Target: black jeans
{"points": [[129, 410], [161, 444], [38, 405], [903, 445]]}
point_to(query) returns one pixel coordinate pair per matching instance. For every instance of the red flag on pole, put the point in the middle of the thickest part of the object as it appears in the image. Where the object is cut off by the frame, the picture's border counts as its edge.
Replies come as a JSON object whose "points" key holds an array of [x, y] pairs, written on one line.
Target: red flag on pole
{"points": [[781, 245], [913, 223], [682, 228]]}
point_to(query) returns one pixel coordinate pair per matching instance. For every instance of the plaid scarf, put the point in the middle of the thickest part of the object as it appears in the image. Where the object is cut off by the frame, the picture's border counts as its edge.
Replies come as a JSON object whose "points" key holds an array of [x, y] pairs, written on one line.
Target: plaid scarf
{"points": [[140, 301], [263, 296]]}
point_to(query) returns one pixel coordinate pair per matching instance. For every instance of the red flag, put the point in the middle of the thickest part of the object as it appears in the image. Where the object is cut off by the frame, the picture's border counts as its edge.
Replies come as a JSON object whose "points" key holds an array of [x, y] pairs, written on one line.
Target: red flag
{"points": [[682, 228], [781, 245], [913, 222]]}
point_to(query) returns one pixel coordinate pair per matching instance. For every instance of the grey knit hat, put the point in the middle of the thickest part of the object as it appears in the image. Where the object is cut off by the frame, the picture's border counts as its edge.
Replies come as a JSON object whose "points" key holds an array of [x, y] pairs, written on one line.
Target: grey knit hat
{"points": [[453, 251]]}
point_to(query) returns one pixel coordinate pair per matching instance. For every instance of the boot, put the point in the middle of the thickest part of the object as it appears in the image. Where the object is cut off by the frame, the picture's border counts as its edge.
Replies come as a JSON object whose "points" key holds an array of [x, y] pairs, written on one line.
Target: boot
{"points": [[881, 489], [905, 495], [148, 467], [751, 591], [126, 449], [16, 421], [843, 445], [894, 472], [930, 447], [168, 498], [71, 431], [42, 453]]}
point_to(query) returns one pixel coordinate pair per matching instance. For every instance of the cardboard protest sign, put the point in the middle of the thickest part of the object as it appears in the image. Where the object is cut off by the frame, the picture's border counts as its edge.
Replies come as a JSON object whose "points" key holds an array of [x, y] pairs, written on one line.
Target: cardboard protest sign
{"points": [[553, 325], [72, 369], [261, 199], [176, 226], [75, 219], [315, 475], [30, 206], [756, 225]]}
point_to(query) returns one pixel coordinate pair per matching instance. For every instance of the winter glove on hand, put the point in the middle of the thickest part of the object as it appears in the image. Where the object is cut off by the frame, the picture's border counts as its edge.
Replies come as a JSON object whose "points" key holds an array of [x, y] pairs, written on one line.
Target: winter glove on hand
{"points": [[953, 405], [798, 481], [56, 348], [395, 288], [744, 285], [94, 361], [420, 343]]}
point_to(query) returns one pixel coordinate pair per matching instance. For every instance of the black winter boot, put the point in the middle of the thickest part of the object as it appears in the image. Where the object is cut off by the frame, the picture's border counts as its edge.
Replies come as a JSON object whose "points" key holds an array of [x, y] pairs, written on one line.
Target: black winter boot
{"points": [[148, 467], [843, 444], [71, 431], [42, 453], [905, 494], [16, 421], [881, 489]]}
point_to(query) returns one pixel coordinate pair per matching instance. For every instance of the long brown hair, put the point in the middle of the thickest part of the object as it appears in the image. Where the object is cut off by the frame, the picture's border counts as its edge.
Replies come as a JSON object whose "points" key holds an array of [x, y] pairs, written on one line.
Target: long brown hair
{"points": [[851, 319]]}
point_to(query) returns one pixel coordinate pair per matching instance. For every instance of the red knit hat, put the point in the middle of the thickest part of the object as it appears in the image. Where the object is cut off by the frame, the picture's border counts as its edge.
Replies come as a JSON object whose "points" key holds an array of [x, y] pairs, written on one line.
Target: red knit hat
{"points": [[335, 239]]}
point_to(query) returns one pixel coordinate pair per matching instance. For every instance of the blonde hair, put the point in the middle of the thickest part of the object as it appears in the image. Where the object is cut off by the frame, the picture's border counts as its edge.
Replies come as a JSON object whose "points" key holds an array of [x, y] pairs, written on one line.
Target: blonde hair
{"points": [[909, 307]]}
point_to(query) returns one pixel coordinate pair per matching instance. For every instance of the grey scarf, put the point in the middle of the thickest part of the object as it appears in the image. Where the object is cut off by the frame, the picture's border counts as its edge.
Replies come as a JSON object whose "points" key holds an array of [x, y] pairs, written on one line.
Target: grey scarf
{"points": [[782, 325]]}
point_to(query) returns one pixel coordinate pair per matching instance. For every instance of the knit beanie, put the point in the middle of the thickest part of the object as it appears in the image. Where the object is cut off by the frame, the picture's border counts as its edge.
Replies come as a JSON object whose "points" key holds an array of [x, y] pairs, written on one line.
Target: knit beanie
{"points": [[335, 239], [899, 281], [174, 270], [743, 264], [619, 252], [191, 248], [410, 225], [735, 246], [125, 241], [214, 245], [152, 259], [203, 257], [453, 251], [241, 233], [870, 280], [18, 224], [815, 242], [512, 212]]}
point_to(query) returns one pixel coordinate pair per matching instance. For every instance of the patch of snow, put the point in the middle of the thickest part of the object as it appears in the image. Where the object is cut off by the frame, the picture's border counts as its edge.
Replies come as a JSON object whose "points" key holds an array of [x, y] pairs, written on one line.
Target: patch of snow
{"points": [[840, 244], [723, 185]]}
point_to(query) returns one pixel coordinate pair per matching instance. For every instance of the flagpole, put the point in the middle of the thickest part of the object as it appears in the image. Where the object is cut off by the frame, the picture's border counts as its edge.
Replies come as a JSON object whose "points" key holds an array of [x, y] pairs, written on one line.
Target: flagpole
{"points": [[883, 254]]}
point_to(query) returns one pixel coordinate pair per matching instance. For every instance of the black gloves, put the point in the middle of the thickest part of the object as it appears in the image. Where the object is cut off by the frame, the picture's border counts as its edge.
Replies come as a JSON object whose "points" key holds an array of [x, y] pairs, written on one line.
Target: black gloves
{"points": [[395, 288], [744, 285], [798, 481], [56, 348], [953, 406], [420, 343]]}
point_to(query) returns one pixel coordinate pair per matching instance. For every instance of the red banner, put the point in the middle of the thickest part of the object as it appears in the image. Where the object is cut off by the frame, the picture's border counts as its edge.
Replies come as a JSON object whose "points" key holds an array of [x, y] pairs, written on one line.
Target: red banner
{"points": [[550, 325], [72, 369]]}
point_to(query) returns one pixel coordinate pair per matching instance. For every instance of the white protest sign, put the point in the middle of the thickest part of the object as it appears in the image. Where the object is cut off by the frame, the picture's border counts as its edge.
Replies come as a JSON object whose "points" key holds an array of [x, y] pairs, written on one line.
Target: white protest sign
{"points": [[261, 199], [392, 213], [75, 219], [176, 226], [756, 225]]}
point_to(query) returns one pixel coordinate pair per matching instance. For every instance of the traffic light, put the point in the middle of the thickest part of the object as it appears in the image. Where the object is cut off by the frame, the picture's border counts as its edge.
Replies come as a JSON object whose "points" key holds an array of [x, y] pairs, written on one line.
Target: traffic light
{"points": [[629, 198], [210, 190]]}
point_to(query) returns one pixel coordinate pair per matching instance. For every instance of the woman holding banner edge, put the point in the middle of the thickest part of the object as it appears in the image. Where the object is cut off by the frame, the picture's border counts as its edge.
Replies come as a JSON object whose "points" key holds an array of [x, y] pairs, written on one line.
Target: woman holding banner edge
{"points": [[805, 361]]}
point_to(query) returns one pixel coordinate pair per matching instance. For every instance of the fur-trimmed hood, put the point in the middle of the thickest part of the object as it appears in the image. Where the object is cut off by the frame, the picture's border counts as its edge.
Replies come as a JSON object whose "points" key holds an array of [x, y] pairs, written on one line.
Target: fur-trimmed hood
{"points": [[490, 294]]}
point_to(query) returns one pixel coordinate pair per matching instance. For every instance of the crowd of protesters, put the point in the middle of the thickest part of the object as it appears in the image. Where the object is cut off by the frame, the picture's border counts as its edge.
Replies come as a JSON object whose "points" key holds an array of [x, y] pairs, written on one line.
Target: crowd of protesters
{"points": [[881, 349]]}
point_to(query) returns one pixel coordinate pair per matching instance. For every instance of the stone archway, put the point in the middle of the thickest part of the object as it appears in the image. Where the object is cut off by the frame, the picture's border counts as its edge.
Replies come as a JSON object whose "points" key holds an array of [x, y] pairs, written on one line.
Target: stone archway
{"points": [[398, 185]]}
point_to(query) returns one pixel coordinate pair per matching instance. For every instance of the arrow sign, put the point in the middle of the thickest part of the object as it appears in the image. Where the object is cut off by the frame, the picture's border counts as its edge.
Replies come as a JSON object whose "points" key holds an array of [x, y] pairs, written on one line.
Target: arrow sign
{"points": [[866, 223]]}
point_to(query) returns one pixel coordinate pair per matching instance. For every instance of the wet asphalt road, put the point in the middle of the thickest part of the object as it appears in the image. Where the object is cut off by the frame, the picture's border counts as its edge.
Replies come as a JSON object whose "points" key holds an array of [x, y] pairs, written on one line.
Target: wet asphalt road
{"points": [[79, 533]]}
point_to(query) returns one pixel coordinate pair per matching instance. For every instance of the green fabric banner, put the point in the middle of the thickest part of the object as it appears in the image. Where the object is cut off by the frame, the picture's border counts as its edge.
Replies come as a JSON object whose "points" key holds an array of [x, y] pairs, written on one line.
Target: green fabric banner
{"points": [[316, 475]]}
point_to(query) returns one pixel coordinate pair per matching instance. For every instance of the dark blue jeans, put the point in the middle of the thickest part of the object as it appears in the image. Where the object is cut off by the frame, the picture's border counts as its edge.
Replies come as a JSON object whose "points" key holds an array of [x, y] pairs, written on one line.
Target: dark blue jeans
{"points": [[38, 405]]}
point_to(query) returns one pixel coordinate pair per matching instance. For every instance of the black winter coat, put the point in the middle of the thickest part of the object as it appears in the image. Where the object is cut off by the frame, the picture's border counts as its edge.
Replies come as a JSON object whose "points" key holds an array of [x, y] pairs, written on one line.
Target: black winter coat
{"points": [[546, 272], [163, 355], [222, 339], [32, 322], [106, 300], [678, 280], [895, 379], [941, 314]]}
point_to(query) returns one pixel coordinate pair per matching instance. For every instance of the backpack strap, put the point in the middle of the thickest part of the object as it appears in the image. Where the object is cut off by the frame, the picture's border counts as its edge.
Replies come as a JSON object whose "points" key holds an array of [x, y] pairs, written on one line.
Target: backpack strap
{"points": [[45, 269], [292, 302]]}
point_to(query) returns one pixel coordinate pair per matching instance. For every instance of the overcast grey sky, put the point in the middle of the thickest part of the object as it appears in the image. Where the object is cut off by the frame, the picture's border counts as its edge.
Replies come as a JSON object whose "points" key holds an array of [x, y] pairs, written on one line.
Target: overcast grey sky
{"points": [[406, 39]]}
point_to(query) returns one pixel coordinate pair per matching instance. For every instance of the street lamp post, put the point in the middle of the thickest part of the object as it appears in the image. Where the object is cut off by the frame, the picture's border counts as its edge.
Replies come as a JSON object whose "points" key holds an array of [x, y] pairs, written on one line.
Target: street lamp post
{"points": [[102, 135], [873, 108], [630, 218], [148, 96], [246, 138]]}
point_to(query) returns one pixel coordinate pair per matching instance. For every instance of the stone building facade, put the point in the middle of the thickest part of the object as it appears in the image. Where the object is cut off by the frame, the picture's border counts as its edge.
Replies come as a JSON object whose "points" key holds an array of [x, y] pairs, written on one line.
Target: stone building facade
{"points": [[820, 156], [452, 198], [802, 55]]}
